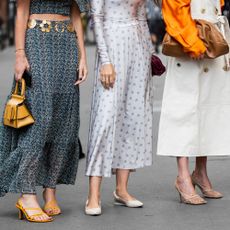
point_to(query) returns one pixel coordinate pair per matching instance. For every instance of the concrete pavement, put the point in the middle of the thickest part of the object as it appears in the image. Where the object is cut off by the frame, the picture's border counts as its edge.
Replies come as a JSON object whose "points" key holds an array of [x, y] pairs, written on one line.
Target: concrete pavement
{"points": [[152, 185]]}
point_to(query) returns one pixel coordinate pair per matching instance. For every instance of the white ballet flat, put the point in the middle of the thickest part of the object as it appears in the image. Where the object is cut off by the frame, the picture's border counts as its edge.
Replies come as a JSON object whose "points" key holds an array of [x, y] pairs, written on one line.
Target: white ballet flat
{"points": [[92, 211], [130, 203]]}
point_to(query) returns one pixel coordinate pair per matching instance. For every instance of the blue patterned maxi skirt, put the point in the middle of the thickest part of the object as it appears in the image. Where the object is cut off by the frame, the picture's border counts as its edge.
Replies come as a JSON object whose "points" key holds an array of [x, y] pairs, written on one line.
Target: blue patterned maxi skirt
{"points": [[47, 152]]}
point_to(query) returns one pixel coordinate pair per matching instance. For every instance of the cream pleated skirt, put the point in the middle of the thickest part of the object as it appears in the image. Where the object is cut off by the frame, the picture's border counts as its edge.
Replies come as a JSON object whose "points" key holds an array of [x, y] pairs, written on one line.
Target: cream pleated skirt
{"points": [[121, 119]]}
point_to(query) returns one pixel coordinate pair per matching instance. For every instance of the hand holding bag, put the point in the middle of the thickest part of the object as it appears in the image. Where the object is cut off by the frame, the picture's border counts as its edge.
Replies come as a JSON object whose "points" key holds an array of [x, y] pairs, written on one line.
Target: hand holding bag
{"points": [[16, 114], [208, 32]]}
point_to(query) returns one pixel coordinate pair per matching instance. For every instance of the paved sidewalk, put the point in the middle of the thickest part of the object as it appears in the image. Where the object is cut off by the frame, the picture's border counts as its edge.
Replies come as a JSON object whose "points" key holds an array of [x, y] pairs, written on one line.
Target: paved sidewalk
{"points": [[153, 185]]}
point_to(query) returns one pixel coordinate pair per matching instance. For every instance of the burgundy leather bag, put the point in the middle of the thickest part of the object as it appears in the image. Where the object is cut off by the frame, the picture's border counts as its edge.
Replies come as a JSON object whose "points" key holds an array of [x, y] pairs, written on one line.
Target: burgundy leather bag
{"points": [[157, 66]]}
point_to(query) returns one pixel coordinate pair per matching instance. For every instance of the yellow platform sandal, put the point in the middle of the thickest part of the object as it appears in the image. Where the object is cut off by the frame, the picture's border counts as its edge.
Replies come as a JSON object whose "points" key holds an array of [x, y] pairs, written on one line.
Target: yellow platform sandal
{"points": [[31, 218], [52, 209]]}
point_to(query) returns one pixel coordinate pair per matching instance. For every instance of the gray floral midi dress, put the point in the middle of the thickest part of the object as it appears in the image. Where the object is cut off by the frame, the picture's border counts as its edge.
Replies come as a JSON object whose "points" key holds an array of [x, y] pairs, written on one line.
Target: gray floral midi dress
{"points": [[47, 152], [120, 134]]}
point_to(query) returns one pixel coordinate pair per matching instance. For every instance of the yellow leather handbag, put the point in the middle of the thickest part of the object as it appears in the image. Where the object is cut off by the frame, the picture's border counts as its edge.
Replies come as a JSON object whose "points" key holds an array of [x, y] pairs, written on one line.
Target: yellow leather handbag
{"points": [[16, 114]]}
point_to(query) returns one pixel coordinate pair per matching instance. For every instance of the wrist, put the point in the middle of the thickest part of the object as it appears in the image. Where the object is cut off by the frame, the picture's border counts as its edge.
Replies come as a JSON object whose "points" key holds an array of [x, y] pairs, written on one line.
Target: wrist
{"points": [[83, 59], [19, 50], [83, 56], [20, 55], [106, 63]]}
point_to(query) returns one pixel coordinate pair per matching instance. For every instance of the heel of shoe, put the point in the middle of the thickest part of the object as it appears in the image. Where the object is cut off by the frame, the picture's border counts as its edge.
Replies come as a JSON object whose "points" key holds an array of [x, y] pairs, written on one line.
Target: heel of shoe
{"points": [[20, 214], [180, 198], [192, 199], [117, 203]]}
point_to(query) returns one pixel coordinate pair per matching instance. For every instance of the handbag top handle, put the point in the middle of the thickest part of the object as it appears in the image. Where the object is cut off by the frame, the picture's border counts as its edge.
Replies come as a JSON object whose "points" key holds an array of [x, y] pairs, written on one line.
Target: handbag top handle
{"points": [[23, 87]]}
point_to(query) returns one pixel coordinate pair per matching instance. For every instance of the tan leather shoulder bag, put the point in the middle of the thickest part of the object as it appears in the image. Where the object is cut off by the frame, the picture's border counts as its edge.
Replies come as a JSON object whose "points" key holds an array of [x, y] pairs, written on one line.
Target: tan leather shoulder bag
{"points": [[210, 35]]}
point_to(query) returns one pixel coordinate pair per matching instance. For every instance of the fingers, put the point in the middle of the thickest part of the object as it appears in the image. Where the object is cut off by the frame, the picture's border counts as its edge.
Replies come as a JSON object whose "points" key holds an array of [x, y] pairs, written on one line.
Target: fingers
{"points": [[108, 81], [103, 80], [107, 77], [112, 80], [27, 66], [81, 80], [83, 72], [197, 58], [18, 75], [201, 56], [21, 65]]}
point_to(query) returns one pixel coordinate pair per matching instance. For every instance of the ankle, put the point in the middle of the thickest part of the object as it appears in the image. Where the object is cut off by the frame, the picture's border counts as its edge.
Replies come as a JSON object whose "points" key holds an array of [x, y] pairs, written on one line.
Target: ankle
{"points": [[94, 197], [49, 194], [50, 191], [183, 177], [26, 197], [200, 173], [121, 191]]}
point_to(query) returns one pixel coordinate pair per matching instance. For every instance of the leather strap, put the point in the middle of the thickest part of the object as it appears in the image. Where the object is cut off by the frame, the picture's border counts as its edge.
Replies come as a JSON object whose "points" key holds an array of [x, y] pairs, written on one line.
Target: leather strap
{"points": [[23, 89]]}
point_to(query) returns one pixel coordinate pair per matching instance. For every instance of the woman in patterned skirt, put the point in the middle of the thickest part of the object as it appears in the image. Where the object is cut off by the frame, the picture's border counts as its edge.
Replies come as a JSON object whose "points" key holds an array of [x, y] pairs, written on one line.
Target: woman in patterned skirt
{"points": [[120, 138], [47, 152]]}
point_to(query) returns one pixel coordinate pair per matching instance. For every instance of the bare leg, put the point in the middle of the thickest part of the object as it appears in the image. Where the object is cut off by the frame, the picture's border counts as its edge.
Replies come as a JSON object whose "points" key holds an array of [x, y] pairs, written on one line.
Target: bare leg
{"points": [[30, 201], [200, 171], [50, 199], [94, 196], [200, 177], [184, 178], [122, 177], [49, 194], [184, 184]]}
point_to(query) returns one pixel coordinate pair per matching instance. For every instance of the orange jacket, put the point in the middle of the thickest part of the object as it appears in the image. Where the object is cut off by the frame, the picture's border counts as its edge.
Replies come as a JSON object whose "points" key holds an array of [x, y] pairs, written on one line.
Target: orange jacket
{"points": [[181, 26]]}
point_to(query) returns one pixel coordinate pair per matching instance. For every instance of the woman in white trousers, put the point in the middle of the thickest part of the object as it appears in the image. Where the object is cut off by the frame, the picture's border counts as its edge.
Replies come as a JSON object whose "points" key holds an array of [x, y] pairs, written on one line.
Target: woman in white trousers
{"points": [[196, 103]]}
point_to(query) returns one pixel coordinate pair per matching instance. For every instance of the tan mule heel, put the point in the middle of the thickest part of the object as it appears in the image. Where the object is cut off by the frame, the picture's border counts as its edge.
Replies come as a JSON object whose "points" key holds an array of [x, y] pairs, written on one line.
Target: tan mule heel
{"points": [[207, 192], [22, 212], [192, 199]]}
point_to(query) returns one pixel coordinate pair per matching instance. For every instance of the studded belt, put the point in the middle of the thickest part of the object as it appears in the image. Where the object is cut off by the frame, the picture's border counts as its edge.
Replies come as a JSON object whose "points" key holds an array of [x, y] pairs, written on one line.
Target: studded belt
{"points": [[47, 26]]}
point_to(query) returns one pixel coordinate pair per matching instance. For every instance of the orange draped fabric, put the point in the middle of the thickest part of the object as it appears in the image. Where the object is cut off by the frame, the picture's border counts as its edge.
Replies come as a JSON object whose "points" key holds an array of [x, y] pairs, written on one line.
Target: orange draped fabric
{"points": [[181, 26], [222, 2]]}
